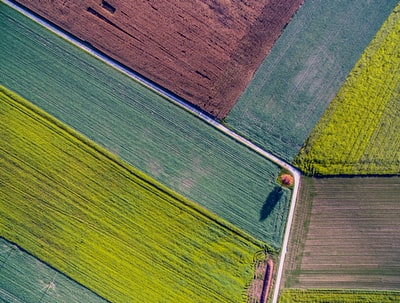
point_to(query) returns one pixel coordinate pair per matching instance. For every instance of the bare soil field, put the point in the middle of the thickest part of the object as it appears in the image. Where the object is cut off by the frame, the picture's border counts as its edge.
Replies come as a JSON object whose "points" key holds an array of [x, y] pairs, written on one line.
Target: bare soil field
{"points": [[346, 234], [205, 51]]}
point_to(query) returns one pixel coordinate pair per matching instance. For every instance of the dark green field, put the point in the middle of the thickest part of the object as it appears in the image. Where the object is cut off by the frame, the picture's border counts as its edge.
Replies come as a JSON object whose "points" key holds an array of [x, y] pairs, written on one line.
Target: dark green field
{"points": [[346, 234], [142, 128], [23, 278], [304, 71]]}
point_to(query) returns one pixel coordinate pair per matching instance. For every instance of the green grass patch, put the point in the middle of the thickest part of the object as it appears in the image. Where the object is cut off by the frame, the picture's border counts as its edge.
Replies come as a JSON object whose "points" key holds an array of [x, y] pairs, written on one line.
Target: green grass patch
{"points": [[303, 72], [360, 131], [338, 296], [155, 136], [105, 224], [23, 278]]}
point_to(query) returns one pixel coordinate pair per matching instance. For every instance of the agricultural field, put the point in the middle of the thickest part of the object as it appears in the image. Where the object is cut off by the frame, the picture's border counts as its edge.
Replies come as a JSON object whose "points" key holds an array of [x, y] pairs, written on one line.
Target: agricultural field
{"points": [[303, 72], [149, 132], [139, 200], [204, 51], [105, 224], [338, 296], [346, 235], [360, 131], [23, 278]]}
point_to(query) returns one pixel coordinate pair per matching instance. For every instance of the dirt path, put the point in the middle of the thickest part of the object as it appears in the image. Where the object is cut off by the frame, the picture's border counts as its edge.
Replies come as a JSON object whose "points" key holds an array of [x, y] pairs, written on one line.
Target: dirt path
{"points": [[260, 287], [267, 281]]}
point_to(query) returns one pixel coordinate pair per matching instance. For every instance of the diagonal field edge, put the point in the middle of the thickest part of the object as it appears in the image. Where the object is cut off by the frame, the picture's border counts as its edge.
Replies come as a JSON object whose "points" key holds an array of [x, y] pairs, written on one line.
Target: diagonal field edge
{"points": [[181, 103]]}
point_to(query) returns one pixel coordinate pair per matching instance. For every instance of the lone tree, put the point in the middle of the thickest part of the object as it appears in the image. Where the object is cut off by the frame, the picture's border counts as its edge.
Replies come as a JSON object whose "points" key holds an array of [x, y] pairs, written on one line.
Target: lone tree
{"points": [[287, 180]]}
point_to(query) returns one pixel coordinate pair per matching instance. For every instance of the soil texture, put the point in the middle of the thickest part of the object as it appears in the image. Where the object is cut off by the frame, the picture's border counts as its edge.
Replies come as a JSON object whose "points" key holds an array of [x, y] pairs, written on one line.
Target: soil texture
{"points": [[204, 51]]}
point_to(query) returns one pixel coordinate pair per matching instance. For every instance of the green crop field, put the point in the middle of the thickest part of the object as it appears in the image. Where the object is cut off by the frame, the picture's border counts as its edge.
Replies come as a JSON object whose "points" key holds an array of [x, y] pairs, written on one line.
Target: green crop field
{"points": [[338, 296], [25, 279], [303, 72], [345, 235], [105, 224], [147, 131], [360, 131]]}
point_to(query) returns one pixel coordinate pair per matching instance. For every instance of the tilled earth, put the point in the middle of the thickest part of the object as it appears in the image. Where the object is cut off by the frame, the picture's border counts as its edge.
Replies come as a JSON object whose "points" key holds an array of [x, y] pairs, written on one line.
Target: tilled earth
{"points": [[205, 51]]}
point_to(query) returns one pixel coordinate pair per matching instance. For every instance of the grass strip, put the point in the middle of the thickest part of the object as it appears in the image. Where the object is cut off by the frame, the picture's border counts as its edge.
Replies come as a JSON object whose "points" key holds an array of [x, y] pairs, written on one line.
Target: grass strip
{"points": [[338, 296]]}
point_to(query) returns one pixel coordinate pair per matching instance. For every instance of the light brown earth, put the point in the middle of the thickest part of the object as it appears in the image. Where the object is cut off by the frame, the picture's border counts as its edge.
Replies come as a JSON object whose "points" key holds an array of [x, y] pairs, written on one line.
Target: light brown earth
{"points": [[258, 291], [346, 234], [205, 51]]}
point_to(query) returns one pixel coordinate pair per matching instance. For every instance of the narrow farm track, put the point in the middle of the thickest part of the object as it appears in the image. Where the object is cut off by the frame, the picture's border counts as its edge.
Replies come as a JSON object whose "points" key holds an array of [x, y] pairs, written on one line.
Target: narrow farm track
{"points": [[178, 101]]}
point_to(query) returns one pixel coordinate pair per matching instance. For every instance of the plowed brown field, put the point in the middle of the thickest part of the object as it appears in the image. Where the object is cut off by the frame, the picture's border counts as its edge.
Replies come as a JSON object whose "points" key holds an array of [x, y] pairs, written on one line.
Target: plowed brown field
{"points": [[346, 234], [204, 51]]}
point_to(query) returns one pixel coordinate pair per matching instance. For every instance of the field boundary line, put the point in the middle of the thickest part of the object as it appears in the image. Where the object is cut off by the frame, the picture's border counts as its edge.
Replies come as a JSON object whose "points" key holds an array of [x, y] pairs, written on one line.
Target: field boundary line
{"points": [[192, 110]]}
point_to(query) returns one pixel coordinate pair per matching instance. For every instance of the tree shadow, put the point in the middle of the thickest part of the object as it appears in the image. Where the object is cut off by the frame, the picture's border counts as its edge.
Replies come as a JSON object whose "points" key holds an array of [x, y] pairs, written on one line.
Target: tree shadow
{"points": [[270, 202]]}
